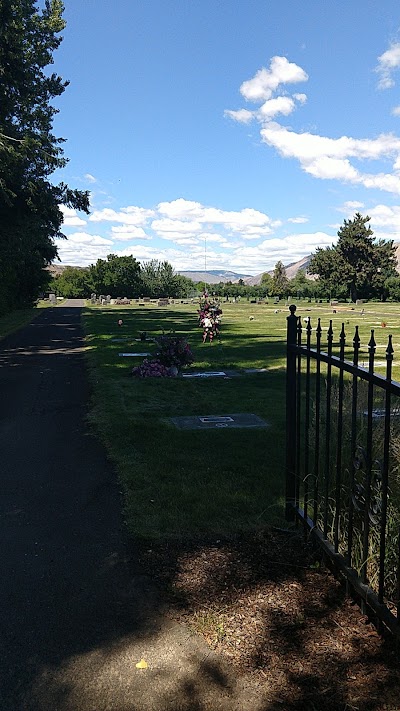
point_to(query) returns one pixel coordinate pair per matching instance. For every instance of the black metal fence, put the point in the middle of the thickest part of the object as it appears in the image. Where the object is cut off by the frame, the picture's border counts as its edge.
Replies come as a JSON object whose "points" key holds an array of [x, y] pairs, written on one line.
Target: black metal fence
{"points": [[343, 458]]}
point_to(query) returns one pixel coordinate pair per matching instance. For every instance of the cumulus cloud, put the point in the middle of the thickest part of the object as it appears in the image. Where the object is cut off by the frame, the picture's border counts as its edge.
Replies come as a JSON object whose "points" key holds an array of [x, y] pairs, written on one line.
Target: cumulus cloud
{"points": [[129, 232], [281, 105], [190, 217], [388, 62], [328, 158], [82, 249], [70, 218], [322, 157], [396, 111], [266, 81], [298, 220], [351, 205], [241, 116], [130, 215]]}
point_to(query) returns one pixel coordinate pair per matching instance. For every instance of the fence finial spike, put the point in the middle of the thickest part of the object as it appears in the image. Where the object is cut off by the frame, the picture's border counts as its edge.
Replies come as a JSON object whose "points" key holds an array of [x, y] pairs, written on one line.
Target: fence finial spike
{"points": [[390, 349], [372, 342], [292, 309]]}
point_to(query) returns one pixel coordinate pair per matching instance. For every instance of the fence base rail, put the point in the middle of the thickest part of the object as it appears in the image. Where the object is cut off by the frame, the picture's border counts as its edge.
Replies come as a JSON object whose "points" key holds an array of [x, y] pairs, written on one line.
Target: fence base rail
{"points": [[338, 561]]}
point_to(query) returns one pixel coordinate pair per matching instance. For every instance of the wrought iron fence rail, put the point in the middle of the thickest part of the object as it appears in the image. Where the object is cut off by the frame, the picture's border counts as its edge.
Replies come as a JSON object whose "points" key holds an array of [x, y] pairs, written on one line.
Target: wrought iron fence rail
{"points": [[354, 369], [352, 512]]}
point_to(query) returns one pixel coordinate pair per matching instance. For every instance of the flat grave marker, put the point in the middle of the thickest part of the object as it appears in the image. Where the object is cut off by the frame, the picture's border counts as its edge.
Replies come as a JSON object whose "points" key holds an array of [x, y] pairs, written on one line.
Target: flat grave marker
{"points": [[207, 422], [126, 355], [210, 374]]}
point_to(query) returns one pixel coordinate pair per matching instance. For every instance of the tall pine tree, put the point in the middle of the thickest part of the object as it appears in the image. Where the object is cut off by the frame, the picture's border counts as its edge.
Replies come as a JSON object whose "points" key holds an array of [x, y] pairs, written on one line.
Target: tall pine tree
{"points": [[30, 217], [358, 263]]}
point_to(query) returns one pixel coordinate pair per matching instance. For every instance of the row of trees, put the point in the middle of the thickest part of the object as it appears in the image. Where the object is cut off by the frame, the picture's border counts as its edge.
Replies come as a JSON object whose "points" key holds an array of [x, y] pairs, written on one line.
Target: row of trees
{"points": [[30, 216], [122, 276], [358, 266]]}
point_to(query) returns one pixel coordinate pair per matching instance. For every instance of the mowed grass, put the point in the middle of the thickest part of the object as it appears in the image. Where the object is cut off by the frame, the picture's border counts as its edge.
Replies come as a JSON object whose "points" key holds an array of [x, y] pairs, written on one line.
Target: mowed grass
{"points": [[13, 321], [196, 483]]}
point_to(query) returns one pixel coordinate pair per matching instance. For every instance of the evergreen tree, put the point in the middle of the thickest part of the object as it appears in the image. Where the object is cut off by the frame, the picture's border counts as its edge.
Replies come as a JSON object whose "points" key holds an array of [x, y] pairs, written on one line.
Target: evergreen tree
{"points": [[358, 263], [30, 217], [280, 282]]}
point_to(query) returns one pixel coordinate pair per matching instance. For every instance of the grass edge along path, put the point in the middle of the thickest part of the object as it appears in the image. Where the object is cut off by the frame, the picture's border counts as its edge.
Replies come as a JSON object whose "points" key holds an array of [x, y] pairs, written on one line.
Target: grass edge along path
{"points": [[13, 321]]}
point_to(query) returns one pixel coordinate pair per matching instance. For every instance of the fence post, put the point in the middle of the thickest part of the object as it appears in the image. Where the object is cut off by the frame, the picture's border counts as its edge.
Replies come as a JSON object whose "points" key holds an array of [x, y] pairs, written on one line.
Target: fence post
{"points": [[291, 409]]}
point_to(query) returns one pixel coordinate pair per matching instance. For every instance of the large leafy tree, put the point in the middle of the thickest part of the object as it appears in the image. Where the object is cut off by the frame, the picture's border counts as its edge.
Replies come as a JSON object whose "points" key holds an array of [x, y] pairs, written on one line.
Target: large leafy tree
{"points": [[30, 217], [72, 283], [116, 276], [358, 264], [160, 279]]}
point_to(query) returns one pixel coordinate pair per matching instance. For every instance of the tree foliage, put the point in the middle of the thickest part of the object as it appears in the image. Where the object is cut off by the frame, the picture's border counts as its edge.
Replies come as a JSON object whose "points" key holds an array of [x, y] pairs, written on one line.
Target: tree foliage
{"points": [[122, 276], [30, 217], [358, 264], [280, 282]]}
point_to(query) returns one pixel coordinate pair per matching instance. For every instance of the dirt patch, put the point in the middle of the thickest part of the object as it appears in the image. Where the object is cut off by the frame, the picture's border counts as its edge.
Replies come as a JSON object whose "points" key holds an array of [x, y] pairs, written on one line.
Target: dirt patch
{"points": [[266, 603]]}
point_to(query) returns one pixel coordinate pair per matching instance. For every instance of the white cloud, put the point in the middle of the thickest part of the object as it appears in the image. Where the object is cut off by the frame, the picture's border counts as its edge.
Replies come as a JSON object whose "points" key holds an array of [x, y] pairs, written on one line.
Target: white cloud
{"points": [[131, 215], [90, 178], [70, 218], [281, 105], [388, 62], [298, 220], [301, 98], [266, 81], [166, 225], [82, 249], [321, 156], [241, 116], [190, 217], [351, 205], [396, 111], [127, 232], [328, 158]]}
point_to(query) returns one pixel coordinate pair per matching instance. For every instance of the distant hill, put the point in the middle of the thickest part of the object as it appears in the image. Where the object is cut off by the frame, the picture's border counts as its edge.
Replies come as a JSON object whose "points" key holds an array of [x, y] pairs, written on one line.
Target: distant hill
{"points": [[291, 271], [215, 276], [57, 269]]}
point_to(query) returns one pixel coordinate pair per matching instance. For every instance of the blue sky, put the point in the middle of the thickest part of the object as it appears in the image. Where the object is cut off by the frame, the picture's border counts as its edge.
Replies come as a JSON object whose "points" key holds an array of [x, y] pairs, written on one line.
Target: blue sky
{"points": [[228, 134]]}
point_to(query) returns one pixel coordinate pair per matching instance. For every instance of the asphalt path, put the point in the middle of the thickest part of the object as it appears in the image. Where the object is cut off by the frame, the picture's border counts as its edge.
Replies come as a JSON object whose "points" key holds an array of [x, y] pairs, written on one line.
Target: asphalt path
{"points": [[76, 612], [60, 526]]}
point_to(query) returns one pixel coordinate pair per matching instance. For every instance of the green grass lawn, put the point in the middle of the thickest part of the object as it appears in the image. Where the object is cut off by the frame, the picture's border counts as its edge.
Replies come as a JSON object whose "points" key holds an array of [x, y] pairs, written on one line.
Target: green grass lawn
{"points": [[191, 483], [17, 319]]}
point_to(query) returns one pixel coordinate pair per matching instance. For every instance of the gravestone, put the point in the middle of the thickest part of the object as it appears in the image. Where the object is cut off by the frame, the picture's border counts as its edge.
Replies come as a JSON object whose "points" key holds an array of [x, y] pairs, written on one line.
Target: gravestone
{"points": [[136, 355], [212, 422], [52, 298], [210, 374]]}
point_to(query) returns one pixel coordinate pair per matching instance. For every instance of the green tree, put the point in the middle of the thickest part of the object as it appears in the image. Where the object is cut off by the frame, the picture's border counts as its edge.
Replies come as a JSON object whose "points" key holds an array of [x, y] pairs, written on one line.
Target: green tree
{"points": [[280, 282], [30, 217], [392, 286], [301, 285], [160, 279], [359, 264], [116, 276], [267, 283], [72, 283]]}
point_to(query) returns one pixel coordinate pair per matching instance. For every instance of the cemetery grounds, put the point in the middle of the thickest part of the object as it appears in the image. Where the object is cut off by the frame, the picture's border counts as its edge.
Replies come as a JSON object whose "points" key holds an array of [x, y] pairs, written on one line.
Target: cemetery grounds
{"points": [[207, 507]]}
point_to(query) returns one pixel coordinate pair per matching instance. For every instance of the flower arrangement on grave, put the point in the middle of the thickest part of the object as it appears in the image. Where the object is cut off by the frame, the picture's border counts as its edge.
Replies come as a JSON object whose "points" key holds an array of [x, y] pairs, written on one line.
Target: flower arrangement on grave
{"points": [[173, 350], [151, 368], [210, 320], [173, 353]]}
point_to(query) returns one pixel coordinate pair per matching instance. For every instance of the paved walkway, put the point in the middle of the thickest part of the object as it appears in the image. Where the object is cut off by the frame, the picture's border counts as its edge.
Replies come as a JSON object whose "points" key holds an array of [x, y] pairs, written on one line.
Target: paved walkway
{"points": [[75, 614]]}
